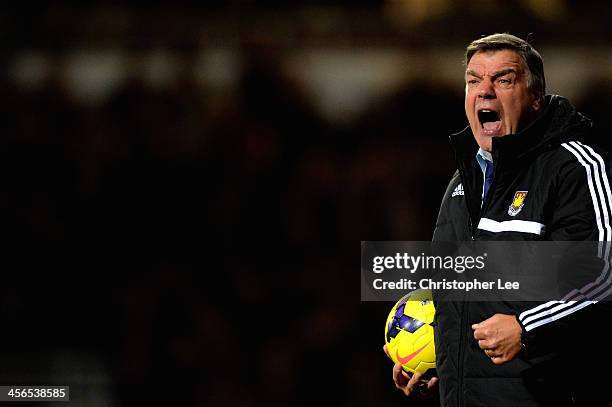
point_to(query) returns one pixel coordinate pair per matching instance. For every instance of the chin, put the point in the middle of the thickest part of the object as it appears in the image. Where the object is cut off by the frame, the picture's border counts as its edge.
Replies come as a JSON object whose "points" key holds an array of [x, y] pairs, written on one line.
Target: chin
{"points": [[484, 141]]}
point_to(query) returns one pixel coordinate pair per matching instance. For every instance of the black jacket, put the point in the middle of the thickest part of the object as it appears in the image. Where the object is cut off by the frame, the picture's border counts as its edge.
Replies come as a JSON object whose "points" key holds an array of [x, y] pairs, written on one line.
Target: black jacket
{"points": [[567, 198]]}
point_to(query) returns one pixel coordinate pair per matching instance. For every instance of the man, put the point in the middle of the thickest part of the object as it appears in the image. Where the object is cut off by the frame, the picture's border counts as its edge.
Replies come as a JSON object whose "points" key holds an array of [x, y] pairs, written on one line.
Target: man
{"points": [[525, 173]]}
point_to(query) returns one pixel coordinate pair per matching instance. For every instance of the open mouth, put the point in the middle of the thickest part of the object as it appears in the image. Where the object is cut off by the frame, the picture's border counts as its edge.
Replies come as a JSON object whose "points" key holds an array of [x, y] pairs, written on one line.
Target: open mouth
{"points": [[490, 121]]}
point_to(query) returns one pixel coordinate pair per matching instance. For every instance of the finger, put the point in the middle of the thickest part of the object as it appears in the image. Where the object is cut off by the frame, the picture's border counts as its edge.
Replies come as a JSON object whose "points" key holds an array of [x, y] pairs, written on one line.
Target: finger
{"points": [[400, 378], [481, 324], [433, 382], [482, 344], [418, 386], [396, 374], [406, 389], [386, 350], [414, 381], [498, 360], [485, 333]]}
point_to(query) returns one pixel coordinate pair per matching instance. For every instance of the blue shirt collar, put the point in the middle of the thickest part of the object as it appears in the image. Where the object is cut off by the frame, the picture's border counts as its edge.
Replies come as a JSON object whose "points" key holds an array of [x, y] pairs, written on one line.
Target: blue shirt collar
{"points": [[482, 157]]}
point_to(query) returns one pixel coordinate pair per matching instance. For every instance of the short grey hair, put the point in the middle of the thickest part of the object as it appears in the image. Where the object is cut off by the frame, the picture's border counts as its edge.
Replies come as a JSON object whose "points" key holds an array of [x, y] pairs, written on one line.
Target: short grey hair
{"points": [[531, 58]]}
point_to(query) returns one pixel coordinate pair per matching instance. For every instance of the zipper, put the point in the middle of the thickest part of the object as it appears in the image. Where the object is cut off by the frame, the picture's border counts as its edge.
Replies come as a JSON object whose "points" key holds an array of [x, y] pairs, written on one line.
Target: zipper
{"points": [[471, 227], [463, 308], [468, 194], [460, 363], [488, 199]]}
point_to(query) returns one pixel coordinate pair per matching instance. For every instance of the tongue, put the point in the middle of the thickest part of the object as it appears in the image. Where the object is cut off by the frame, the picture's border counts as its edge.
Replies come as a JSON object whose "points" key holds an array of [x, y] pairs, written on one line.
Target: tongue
{"points": [[492, 126]]}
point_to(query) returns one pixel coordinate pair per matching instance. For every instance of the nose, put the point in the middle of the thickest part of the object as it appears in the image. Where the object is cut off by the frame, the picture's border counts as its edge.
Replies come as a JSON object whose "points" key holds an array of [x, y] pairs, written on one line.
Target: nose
{"points": [[486, 90]]}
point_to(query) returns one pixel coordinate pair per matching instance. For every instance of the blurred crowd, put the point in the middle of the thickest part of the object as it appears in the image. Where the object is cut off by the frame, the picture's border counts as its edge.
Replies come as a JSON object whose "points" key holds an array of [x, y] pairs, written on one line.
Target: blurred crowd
{"points": [[203, 246], [208, 242]]}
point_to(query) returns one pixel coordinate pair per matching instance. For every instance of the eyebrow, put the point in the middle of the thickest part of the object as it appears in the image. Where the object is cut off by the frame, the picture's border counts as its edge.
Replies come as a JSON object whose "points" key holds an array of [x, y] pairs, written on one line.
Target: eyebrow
{"points": [[495, 74]]}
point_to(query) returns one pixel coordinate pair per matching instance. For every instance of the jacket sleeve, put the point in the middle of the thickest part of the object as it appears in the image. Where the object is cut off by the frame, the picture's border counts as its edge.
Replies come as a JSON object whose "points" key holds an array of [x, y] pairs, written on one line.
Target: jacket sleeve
{"points": [[580, 209]]}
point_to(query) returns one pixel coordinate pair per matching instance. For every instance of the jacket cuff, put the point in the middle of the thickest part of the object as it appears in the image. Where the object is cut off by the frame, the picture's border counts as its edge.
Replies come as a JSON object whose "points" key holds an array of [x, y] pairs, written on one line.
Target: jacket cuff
{"points": [[539, 345], [524, 340]]}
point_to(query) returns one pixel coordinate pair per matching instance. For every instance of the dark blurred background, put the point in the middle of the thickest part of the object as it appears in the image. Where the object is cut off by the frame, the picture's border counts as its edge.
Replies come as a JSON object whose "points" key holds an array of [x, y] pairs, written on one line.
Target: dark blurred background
{"points": [[184, 185]]}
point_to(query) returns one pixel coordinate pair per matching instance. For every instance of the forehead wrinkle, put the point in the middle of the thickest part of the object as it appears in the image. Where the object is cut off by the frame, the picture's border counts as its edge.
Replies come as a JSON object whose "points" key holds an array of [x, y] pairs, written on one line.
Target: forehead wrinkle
{"points": [[509, 57], [472, 73], [495, 74], [504, 71]]}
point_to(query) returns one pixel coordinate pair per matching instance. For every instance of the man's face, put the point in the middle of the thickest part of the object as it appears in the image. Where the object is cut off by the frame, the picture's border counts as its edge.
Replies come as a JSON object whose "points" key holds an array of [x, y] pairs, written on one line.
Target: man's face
{"points": [[497, 99]]}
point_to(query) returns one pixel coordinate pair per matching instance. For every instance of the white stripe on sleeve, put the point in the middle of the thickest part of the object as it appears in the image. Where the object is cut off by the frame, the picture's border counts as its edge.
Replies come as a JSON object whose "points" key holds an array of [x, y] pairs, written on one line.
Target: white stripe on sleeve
{"points": [[591, 293]]}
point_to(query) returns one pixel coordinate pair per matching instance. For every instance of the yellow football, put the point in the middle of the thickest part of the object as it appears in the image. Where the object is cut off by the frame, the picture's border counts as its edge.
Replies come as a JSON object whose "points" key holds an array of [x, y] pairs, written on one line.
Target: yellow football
{"points": [[409, 333]]}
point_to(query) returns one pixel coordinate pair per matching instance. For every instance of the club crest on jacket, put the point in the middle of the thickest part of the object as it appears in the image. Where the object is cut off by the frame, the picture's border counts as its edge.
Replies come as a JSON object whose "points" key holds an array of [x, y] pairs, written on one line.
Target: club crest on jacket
{"points": [[517, 203]]}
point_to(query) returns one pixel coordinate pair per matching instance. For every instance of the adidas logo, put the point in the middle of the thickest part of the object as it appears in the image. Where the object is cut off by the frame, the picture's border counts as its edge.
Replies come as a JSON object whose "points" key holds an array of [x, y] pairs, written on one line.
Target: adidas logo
{"points": [[458, 190]]}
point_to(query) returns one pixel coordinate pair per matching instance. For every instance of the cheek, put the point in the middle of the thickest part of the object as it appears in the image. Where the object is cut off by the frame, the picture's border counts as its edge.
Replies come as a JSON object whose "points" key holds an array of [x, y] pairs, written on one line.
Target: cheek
{"points": [[468, 94], [469, 105], [518, 110], [518, 106]]}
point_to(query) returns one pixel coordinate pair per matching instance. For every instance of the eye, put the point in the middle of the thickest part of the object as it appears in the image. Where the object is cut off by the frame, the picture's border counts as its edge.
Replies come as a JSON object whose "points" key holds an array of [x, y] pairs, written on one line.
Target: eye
{"points": [[472, 81], [504, 81]]}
